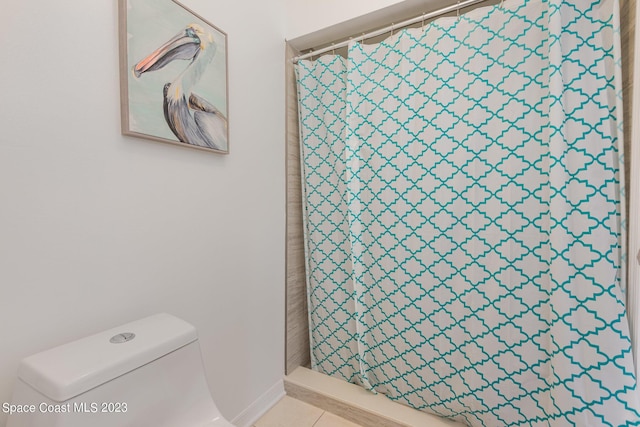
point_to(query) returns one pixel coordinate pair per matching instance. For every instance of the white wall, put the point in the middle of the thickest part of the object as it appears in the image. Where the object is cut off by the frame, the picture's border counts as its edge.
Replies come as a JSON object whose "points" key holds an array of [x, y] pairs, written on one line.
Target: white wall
{"points": [[97, 229], [307, 16]]}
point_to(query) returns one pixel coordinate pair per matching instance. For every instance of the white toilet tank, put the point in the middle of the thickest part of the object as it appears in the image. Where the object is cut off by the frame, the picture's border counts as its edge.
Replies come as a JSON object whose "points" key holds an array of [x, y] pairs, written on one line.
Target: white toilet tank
{"points": [[145, 373]]}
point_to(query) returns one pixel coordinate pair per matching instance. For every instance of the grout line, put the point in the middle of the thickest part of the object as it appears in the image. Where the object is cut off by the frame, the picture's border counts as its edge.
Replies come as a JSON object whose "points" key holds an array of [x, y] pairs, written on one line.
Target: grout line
{"points": [[321, 415]]}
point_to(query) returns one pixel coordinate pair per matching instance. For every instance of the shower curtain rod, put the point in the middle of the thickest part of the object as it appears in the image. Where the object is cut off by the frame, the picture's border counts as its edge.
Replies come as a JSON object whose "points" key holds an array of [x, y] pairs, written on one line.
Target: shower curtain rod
{"points": [[454, 7]]}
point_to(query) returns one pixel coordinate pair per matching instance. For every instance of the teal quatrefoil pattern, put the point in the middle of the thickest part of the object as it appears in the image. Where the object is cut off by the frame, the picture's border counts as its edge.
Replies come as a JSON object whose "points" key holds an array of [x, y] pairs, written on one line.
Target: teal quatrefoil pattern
{"points": [[463, 216]]}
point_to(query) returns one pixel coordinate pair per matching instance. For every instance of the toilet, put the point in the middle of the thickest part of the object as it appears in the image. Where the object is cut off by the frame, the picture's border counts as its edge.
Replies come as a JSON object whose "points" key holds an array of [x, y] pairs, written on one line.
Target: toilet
{"points": [[145, 373]]}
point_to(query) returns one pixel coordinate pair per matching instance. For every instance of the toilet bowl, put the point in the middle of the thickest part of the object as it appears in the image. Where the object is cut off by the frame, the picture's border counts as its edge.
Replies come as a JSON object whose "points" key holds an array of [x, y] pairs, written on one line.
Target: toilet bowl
{"points": [[145, 373]]}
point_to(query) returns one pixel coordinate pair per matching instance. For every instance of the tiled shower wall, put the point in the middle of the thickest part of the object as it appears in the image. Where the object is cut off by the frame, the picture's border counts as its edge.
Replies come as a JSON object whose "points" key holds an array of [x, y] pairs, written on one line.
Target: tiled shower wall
{"points": [[628, 10], [297, 324]]}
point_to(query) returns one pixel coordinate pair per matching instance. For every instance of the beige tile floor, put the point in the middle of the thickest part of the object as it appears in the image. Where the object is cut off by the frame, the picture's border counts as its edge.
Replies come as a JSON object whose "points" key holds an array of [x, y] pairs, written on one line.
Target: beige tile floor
{"points": [[289, 412]]}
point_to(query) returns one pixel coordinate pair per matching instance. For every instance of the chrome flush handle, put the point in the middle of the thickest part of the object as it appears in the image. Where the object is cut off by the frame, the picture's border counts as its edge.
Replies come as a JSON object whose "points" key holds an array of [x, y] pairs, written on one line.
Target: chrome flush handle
{"points": [[122, 338]]}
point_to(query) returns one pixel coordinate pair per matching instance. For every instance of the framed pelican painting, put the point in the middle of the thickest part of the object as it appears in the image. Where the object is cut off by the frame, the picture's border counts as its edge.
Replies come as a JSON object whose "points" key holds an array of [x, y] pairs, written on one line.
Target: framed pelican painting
{"points": [[173, 75]]}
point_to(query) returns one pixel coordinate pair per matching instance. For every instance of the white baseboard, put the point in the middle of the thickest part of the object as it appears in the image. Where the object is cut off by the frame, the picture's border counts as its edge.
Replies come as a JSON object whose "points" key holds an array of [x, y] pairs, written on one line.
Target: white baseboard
{"points": [[260, 406]]}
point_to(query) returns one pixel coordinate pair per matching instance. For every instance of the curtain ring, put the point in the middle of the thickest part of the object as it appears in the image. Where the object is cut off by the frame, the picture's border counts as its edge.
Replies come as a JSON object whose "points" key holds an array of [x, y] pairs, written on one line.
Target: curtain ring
{"points": [[392, 25], [458, 10], [423, 22], [501, 4]]}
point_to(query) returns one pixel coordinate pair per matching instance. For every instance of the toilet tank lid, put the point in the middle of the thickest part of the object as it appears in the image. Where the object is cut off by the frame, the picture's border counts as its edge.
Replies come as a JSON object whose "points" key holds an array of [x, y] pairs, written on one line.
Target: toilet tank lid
{"points": [[64, 372]]}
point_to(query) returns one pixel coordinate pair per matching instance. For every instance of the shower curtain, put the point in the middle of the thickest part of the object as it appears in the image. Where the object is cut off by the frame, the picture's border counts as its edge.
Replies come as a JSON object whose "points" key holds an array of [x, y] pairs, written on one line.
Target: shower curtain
{"points": [[464, 222]]}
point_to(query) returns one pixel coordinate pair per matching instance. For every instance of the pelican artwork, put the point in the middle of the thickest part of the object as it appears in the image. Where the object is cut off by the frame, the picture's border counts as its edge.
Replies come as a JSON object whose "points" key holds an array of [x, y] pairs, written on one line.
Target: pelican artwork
{"points": [[191, 118]]}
